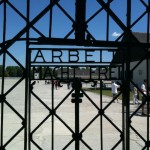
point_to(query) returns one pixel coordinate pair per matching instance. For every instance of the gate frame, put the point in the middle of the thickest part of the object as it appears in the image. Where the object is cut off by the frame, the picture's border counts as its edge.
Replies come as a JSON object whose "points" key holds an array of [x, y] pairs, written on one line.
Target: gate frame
{"points": [[80, 28]]}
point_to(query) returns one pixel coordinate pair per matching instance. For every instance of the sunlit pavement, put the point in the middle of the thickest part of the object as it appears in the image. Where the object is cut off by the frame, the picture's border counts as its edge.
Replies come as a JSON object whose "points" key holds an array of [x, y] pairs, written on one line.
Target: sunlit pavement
{"points": [[110, 123]]}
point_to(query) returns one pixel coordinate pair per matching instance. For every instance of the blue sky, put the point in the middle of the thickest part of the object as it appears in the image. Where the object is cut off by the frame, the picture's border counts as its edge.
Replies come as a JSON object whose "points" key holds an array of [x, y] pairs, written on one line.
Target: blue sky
{"points": [[62, 25]]}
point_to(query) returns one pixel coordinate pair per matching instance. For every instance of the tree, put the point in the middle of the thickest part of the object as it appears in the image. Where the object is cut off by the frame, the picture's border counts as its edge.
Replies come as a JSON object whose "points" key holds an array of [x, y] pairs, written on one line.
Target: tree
{"points": [[1, 72], [11, 71], [19, 71], [14, 71]]}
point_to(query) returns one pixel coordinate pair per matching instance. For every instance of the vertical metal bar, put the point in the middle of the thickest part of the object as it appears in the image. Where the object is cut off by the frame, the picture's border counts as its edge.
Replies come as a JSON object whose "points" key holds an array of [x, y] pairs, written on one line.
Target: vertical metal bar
{"points": [[29, 137], [123, 101], [80, 26], [77, 146], [101, 116], [125, 94], [107, 27], [127, 101], [27, 84], [101, 84], [147, 68], [76, 136], [52, 114], [127, 77], [101, 53], [126, 83], [77, 92], [3, 75], [50, 20]]}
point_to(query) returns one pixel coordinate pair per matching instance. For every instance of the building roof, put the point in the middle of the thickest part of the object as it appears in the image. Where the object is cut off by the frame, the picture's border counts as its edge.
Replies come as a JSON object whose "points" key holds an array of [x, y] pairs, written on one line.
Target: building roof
{"points": [[137, 51], [82, 73], [141, 37]]}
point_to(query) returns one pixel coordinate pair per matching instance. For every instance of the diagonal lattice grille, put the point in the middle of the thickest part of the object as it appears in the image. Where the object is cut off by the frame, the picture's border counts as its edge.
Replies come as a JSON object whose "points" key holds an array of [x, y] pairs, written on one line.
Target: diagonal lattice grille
{"points": [[81, 136], [119, 30]]}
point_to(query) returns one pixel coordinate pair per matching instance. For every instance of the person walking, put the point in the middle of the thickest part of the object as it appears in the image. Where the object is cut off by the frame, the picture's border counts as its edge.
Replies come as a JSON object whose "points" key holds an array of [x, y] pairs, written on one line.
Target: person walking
{"points": [[114, 89], [56, 84], [68, 85], [144, 90], [135, 95]]}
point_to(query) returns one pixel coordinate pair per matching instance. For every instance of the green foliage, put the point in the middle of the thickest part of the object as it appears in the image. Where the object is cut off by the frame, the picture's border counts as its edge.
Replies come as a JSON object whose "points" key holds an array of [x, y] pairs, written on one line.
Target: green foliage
{"points": [[11, 71]]}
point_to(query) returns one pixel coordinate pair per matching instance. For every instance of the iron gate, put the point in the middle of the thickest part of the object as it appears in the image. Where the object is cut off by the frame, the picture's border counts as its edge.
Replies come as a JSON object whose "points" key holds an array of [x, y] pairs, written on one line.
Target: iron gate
{"points": [[84, 35]]}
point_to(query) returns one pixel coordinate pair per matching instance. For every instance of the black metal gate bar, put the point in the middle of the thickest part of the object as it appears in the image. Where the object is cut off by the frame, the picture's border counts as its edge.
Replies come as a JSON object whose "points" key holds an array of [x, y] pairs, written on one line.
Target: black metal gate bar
{"points": [[2, 98], [101, 116], [123, 103], [53, 110], [52, 86], [148, 79], [127, 78], [27, 81], [29, 86], [80, 25], [83, 38], [77, 136]]}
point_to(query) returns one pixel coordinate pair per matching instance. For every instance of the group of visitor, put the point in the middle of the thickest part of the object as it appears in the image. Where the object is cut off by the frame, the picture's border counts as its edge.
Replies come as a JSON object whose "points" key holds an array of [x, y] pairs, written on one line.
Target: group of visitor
{"points": [[143, 89]]}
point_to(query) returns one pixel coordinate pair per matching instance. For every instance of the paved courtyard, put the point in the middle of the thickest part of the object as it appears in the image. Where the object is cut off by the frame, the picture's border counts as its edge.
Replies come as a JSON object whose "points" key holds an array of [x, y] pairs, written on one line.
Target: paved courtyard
{"points": [[62, 136]]}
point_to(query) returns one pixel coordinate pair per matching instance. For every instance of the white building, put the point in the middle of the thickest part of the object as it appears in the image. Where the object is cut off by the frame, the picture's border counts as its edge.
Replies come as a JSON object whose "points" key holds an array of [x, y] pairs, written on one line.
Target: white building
{"points": [[140, 59]]}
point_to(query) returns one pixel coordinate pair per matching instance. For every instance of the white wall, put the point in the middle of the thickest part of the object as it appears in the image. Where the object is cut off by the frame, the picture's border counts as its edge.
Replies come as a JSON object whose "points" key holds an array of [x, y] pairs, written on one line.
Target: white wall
{"points": [[139, 74]]}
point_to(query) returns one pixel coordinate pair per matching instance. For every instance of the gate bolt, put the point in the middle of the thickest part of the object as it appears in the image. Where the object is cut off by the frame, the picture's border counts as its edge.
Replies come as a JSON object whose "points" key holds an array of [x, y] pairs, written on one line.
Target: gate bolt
{"points": [[77, 97], [74, 100], [122, 136], [23, 123]]}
